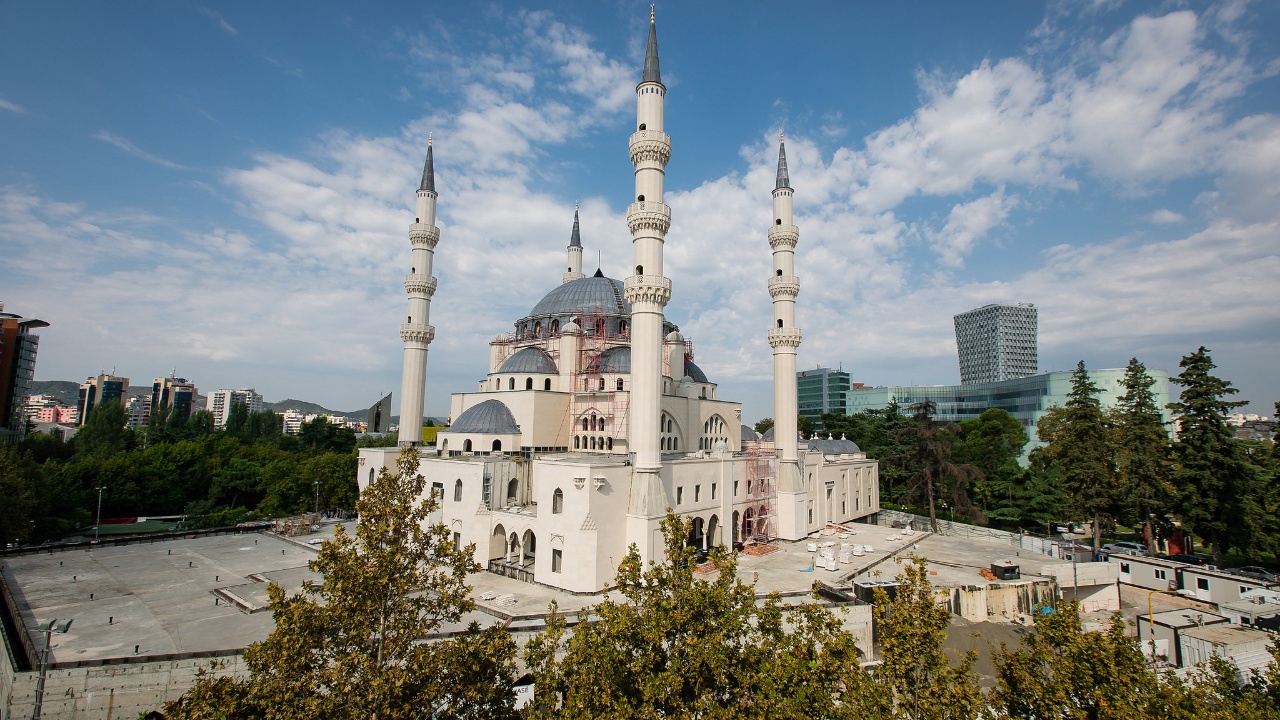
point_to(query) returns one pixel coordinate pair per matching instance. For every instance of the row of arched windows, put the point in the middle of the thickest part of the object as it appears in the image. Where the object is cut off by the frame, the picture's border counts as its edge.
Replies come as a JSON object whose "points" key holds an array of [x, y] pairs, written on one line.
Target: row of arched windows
{"points": [[591, 442], [593, 423], [713, 431], [599, 327], [528, 383]]}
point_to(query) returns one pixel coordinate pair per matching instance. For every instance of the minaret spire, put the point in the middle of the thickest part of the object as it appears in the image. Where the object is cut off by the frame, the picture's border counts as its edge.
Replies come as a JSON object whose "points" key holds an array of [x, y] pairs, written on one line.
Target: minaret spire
{"points": [[575, 251], [648, 291], [784, 338], [420, 286]]}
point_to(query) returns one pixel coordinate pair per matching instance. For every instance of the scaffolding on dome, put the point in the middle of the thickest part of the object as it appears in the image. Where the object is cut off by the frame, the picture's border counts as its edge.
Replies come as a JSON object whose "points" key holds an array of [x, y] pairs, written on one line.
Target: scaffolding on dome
{"points": [[762, 492]]}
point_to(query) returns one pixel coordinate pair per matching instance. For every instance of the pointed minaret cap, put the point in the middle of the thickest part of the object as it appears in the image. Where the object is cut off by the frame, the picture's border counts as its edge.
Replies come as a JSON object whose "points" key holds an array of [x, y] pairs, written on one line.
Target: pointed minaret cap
{"points": [[428, 171], [575, 240], [784, 181], [651, 73]]}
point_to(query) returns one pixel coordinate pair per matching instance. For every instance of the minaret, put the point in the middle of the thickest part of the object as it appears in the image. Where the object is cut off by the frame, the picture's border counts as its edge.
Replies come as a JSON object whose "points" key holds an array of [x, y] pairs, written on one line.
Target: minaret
{"points": [[648, 291], [784, 338], [575, 250], [420, 286]]}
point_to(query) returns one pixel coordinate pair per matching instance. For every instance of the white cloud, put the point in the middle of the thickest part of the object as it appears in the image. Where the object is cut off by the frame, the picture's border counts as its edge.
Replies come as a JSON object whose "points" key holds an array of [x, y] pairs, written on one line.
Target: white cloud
{"points": [[11, 107], [222, 23], [126, 145], [1164, 216]]}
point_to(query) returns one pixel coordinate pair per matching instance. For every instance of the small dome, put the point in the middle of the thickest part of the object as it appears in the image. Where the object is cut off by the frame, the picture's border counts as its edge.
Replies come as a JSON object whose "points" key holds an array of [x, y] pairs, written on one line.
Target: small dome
{"points": [[835, 447], [570, 328], [529, 360], [674, 337], [768, 436], [694, 372], [489, 417], [615, 360], [749, 434]]}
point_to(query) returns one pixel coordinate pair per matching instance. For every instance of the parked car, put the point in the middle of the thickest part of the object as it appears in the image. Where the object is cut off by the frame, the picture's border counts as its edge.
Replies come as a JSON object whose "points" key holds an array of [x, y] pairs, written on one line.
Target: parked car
{"points": [[1125, 548], [1256, 572], [1186, 559]]}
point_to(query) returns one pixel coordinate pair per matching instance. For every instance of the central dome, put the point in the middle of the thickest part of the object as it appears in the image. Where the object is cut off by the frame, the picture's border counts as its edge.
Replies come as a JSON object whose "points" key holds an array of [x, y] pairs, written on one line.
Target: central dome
{"points": [[584, 296]]}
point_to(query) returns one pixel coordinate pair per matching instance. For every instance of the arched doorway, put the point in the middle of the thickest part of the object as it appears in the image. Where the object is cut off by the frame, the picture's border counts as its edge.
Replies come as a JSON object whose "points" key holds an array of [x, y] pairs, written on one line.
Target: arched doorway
{"points": [[748, 524], [498, 543], [513, 489], [528, 549], [736, 527], [713, 527], [762, 521], [697, 534], [513, 549]]}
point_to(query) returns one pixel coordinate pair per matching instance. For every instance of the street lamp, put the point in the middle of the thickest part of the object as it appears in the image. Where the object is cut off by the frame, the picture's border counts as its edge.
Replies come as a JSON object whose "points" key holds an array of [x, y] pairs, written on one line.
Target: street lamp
{"points": [[48, 628], [317, 484], [98, 524]]}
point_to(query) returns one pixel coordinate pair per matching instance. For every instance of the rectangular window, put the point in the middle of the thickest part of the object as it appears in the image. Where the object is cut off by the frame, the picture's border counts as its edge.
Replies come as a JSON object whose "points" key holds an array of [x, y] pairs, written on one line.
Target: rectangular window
{"points": [[437, 491], [810, 512], [1124, 567], [1202, 583], [556, 560], [457, 541], [679, 495], [1160, 574], [735, 488], [697, 493], [486, 490], [713, 491]]}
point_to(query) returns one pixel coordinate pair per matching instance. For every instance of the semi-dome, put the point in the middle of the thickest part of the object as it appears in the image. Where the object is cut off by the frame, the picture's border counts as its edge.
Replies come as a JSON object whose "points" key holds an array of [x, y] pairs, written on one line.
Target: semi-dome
{"points": [[489, 417], [694, 372], [588, 295], [615, 360], [529, 360], [749, 434]]}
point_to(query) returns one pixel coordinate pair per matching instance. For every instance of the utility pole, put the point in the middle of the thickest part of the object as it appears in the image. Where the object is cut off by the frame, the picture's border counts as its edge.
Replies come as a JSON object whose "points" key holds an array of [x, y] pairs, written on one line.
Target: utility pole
{"points": [[48, 629], [317, 484], [97, 524]]}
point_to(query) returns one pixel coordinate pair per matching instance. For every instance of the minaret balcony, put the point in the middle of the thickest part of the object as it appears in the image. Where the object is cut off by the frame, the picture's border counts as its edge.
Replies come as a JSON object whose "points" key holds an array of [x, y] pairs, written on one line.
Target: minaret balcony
{"points": [[783, 236], [419, 284], [640, 289], [649, 215], [424, 235], [784, 337], [650, 145], [416, 334], [784, 285]]}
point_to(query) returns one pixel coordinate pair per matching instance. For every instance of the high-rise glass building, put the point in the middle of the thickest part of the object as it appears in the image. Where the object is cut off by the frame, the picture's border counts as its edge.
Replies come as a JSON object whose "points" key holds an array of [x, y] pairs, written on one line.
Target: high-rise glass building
{"points": [[17, 368], [821, 390], [996, 342]]}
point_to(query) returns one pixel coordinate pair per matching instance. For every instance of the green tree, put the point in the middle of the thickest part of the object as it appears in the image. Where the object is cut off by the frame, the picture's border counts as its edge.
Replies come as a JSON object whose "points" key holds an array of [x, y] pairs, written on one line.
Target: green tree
{"points": [[1078, 442], [1142, 454], [104, 430], [936, 477], [1214, 484], [805, 426], [669, 644], [917, 677], [237, 419], [19, 486], [762, 426], [993, 442], [353, 645]]}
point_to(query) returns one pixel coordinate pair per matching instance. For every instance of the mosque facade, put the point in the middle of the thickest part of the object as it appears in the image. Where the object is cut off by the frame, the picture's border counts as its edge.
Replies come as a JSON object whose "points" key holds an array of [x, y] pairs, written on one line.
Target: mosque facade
{"points": [[594, 420]]}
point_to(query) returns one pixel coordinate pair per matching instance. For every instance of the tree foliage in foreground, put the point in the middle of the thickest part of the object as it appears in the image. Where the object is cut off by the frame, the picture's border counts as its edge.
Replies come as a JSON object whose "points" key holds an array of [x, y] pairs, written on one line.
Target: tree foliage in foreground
{"points": [[352, 645]]}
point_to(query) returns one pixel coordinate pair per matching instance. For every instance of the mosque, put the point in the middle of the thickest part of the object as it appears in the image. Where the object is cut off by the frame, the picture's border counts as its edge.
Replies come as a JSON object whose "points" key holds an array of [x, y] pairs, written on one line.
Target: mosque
{"points": [[594, 420]]}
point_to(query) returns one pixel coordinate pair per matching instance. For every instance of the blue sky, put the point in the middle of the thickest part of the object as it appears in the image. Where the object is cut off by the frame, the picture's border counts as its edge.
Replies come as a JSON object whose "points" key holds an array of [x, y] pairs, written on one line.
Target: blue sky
{"points": [[224, 189]]}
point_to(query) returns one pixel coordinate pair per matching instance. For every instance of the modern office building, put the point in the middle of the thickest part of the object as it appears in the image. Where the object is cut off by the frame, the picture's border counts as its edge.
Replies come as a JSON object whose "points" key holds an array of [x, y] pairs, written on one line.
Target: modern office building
{"points": [[821, 390], [99, 389], [177, 394], [17, 368], [1027, 399], [996, 342], [219, 403]]}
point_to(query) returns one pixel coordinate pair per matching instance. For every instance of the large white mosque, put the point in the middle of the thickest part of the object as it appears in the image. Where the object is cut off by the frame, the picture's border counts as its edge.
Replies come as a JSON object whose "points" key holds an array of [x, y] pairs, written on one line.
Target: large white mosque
{"points": [[594, 419]]}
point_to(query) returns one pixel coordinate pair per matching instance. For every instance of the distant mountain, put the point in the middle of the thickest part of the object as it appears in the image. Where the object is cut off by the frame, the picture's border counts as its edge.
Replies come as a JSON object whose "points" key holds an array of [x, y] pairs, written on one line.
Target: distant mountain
{"points": [[69, 392]]}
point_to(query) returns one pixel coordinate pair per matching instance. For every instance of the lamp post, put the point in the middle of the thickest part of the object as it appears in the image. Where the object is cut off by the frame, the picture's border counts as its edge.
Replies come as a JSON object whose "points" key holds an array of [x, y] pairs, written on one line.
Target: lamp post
{"points": [[48, 628], [98, 524], [317, 484]]}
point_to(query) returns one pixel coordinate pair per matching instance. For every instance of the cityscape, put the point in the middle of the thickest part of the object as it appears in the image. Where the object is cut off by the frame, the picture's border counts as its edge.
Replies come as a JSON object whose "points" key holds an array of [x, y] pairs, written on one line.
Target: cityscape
{"points": [[624, 509]]}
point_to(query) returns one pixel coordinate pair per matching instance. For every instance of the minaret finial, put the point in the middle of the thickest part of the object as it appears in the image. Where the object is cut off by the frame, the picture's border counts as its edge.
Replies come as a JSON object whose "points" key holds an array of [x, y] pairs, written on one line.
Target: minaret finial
{"points": [[651, 73], [784, 181], [575, 238], [428, 171]]}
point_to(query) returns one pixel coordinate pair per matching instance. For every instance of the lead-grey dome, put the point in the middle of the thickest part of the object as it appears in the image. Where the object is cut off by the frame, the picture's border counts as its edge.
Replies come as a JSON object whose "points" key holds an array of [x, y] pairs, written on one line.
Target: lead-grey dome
{"points": [[588, 295], [615, 360], [694, 372], [529, 360], [490, 417], [749, 434], [835, 447]]}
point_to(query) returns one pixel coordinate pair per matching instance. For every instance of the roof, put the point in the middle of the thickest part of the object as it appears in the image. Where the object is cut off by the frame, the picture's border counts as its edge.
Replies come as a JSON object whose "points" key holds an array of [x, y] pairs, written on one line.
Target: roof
{"points": [[1227, 634], [784, 181], [749, 434], [588, 295], [428, 172], [529, 360], [1186, 617], [694, 372], [834, 447], [614, 360], [651, 73], [575, 238], [490, 417]]}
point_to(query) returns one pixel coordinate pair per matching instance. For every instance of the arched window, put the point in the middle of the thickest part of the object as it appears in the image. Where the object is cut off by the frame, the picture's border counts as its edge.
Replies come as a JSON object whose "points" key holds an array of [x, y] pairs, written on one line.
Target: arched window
{"points": [[622, 327], [457, 490], [513, 489], [608, 443], [577, 442], [779, 322], [537, 329], [511, 383], [370, 474], [497, 446], [557, 502], [466, 445], [601, 383], [555, 326], [584, 424], [546, 384], [528, 383], [640, 268], [619, 384]]}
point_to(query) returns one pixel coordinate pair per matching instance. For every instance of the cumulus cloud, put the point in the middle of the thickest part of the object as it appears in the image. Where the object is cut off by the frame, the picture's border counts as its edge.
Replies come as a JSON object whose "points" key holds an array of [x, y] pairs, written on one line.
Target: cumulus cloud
{"points": [[1164, 216]]}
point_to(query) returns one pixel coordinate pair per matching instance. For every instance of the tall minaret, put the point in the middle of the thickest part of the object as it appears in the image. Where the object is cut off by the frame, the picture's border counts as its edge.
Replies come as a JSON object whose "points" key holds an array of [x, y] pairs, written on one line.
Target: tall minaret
{"points": [[575, 251], [784, 338], [648, 292], [420, 286]]}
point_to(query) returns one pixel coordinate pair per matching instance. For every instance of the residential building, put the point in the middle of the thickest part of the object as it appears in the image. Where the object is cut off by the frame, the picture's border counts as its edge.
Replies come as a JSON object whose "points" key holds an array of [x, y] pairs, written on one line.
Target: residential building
{"points": [[138, 412], [99, 389], [996, 342], [219, 403], [17, 368], [60, 414], [177, 394]]}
